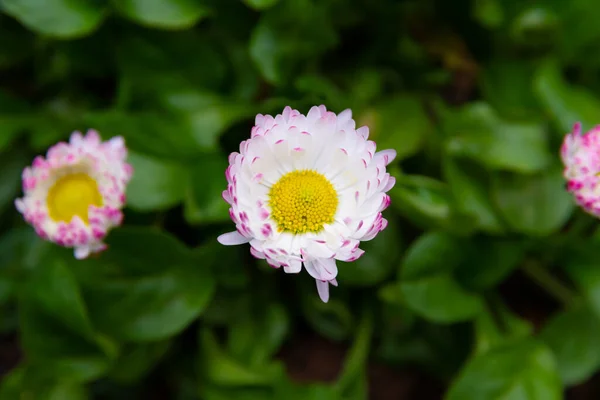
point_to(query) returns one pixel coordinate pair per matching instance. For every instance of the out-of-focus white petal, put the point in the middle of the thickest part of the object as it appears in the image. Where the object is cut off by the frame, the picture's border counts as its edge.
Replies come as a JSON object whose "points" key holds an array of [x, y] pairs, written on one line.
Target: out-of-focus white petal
{"points": [[74, 195]]}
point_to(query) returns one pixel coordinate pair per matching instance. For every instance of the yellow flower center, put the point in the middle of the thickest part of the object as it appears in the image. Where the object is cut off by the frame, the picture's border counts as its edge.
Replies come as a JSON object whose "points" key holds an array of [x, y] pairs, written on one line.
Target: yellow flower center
{"points": [[71, 196], [302, 201]]}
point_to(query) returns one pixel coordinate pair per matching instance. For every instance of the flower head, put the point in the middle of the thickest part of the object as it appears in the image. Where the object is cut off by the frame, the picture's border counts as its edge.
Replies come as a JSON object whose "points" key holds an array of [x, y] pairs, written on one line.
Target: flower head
{"points": [[306, 190], [580, 153], [74, 196]]}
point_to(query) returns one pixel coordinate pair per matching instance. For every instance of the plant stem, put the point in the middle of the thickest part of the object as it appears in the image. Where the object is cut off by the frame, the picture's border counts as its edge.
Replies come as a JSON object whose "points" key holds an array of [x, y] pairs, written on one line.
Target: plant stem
{"points": [[549, 283], [358, 353]]}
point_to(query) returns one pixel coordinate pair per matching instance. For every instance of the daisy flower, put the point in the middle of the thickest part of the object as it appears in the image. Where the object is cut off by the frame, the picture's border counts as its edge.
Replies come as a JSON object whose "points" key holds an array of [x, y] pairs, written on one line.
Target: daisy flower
{"points": [[306, 190], [74, 195], [580, 154]]}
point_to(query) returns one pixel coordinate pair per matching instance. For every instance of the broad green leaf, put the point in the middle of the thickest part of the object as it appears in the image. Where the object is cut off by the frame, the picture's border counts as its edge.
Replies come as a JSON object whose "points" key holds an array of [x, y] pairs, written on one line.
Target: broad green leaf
{"points": [[203, 200], [565, 103], [156, 184], [469, 186], [130, 305], [11, 167], [574, 338], [208, 123], [427, 202], [432, 253], [488, 13], [399, 123], [59, 18], [488, 261], [217, 392], [287, 35], [477, 132], [441, 299], [260, 4], [518, 371], [535, 205], [171, 133], [54, 290], [221, 369], [128, 244], [254, 338], [58, 352], [582, 265], [24, 383], [334, 319], [377, 263], [180, 14], [137, 360], [499, 328], [536, 27], [155, 62], [506, 86]]}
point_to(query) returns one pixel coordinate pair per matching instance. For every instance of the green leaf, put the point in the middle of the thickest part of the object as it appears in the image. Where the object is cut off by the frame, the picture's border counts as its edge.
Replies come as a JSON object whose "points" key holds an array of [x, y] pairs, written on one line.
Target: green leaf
{"points": [[574, 337], [220, 369], [333, 320], [377, 263], [518, 371], [59, 18], [499, 329], [203, 200], [260, 4], [427, 202], [24, 383], [440, 299], [582, 264], [506, 86], [11, 167], [432, 253], [156, 184], [137, 360], [253, 339], [399, 123], [155, 63], [488, 13], [59, 352], [566, 104], [476, 132], [536, 205], [287, 35], [180, 14], [135, 306], [54, 290], [536, 26], [488, 261], [469, 186], [172, 135]]}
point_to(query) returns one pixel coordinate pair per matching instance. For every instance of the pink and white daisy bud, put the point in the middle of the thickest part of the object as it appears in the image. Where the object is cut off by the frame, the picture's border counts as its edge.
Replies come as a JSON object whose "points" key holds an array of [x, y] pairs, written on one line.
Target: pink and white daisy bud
{"points": [[580, 154], [74, 195], [306, 190]]}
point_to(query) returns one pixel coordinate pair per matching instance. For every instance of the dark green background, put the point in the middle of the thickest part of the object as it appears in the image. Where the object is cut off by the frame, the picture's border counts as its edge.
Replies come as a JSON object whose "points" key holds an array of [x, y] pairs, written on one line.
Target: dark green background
{"points": [[487, 280]]}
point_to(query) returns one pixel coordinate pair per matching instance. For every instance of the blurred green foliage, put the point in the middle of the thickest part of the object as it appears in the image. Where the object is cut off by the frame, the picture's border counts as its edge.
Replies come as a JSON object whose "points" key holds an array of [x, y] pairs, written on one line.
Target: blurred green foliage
{"points": [[475, 96]]}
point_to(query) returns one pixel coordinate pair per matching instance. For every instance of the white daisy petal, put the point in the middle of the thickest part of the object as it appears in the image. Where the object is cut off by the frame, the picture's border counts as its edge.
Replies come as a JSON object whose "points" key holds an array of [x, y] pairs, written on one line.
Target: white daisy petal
{"points": [[306, 190]]}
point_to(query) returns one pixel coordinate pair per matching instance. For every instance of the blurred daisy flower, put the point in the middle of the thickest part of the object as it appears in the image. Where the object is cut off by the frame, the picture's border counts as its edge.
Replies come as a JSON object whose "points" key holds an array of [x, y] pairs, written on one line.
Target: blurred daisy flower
{"points": [[74, 196], [580, 153], [306, 190]]}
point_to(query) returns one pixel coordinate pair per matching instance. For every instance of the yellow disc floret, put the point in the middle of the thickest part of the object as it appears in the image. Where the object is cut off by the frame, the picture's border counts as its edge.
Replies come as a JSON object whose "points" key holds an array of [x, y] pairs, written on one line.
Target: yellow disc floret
{"points": [[303, 201], [72, 195]]}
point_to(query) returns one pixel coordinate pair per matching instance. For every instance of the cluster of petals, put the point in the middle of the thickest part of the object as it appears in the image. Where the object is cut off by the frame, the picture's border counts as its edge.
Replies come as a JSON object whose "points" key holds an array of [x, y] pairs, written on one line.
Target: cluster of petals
{"points": [[104, 162], [580, 154], [323, 142]]}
